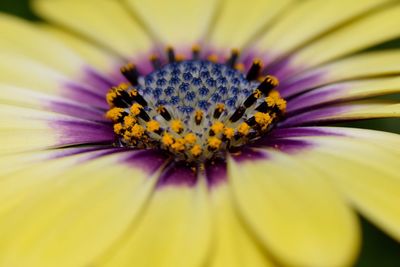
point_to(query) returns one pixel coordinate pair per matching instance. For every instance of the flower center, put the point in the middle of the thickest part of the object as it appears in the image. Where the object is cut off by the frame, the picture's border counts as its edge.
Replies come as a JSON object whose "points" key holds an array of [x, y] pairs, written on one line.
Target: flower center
{"points": [[195, 109]]}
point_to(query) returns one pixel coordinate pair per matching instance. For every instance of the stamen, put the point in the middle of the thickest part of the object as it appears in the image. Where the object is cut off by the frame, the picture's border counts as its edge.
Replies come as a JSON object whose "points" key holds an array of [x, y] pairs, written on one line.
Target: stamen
{"points": [[167, 139], [233, 58], [164, 113], [130, 73], [155, 61], [196, 151], [252, 98], [268, 84], [216, 128], [214, 143], [238, 114], [196, 52], [219, 108], [153, 126], [177, 126], [213, 58], [254, 70], [190, 138], [137, 97], [244, 129], [171, 54], [198, 117]]}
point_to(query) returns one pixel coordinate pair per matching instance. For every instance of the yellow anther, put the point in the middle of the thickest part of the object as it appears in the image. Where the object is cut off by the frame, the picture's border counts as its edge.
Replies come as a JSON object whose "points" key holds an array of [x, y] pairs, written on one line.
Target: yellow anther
{"points": [[262, 119], [213, 58], [118, 128], [153, 57], [160, 109], [153, 126], [217, 127], [239, 67], [196, 48], [180, 57], [244, 129], [176, 126], [196, 150], [258, 62], [270, 101], [190, 138], [129, 121], [272, 80], [220, 107], [128, 67], [133, 92], [275, 94], [136, 108], [123, 86], [274, 99], [127, 136], [235, 51], [179, 144], [281, 103], [257, 93], [214, 142], [167, 139], [198, 116], [111, 95], [137, 131], [229, 132], [114, 114]]}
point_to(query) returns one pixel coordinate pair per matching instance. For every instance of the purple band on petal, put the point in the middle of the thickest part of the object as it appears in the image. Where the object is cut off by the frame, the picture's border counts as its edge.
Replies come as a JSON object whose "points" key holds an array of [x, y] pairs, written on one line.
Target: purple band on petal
{"points": [[93, 151], [101, 81], [314, 117], [147, 160], [248, 154], [178, 174], [314, 98], [216, 172], [299, 132], [82, 95], [79, 111], [285, 145], [304, 83], [81, 132]]}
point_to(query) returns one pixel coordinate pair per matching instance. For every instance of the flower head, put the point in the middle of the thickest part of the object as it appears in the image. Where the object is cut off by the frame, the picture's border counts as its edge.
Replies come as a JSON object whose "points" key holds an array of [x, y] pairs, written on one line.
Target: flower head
{"points": [[183, 133]]}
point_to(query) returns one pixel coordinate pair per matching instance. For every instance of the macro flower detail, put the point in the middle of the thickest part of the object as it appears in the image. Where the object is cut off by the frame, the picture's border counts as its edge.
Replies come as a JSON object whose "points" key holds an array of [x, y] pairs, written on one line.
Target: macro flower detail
{"points": [[197, 132], [195, 109]]}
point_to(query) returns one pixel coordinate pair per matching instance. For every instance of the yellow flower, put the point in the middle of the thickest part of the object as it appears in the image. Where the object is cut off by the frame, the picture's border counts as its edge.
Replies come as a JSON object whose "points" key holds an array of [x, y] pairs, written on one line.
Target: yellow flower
{"points": [[216, 148]]}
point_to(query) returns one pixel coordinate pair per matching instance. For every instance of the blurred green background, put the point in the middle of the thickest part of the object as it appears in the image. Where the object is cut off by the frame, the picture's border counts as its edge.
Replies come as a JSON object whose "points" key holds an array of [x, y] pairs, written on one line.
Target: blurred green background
{"points": [[378, 250]]}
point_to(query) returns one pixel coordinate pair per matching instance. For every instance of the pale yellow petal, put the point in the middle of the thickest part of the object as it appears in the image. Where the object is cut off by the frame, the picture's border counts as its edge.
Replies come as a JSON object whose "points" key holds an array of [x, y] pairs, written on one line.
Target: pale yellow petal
{"points": [[106, 22], [75, 215], [95, 57], [345, 91], [176, 22], [357, 110], [25, 129], [365, 65], [233, 245], [238, 21], [384, 25], [299, 217], [24, 39], [174, 231], [309, 19], [24, 72], [366, 171]]}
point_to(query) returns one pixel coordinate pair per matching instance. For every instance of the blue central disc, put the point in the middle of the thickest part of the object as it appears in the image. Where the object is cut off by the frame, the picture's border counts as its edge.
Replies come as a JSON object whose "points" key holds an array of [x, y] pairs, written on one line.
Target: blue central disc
{"points": [[195, 85]]}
